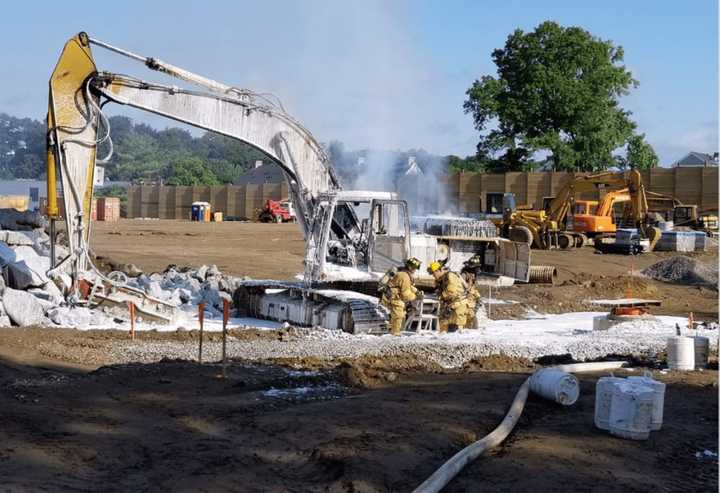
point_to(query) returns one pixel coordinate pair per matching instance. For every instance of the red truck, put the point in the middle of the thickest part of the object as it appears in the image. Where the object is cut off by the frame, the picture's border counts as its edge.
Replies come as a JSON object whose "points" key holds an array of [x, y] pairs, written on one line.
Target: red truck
{"points": [[276, 211]]}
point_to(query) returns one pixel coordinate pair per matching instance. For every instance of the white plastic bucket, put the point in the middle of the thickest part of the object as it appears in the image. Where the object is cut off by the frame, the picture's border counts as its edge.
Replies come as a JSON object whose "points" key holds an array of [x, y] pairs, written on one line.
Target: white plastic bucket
{"points": [[555, 385], [658, 389], [681, 353], [702, 348], [631, 410], [603, 398]]}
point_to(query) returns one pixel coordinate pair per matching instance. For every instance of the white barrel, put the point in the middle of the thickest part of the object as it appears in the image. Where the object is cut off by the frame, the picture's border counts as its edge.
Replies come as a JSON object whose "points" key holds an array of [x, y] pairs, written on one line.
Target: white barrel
{"points": [[603, 398], [631, 411], [702, 349], [681, 353], [658, 389], [555, 385]]}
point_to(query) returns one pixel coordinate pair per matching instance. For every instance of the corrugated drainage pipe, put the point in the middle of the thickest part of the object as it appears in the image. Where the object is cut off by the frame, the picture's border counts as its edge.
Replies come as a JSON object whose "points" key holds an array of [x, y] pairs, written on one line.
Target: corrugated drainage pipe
{"points": [[542, 274], [457, 462]]}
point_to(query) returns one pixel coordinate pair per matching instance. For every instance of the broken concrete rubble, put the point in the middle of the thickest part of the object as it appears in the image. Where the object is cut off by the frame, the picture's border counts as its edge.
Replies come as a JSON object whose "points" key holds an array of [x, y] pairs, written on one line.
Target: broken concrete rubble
{"points": [[21, 221], [22, 307], [28, 269], [18, 238]]}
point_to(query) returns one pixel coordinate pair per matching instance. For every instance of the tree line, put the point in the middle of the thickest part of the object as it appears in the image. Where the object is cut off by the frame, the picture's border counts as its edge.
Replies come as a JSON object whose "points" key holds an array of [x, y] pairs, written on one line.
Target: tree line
{"points": [[142, 154]]}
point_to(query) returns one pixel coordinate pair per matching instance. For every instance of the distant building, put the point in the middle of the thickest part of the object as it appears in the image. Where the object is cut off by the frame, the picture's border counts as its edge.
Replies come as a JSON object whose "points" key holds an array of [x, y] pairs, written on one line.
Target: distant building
{"points": [[420, 192], [262, 173], [696, 159]]}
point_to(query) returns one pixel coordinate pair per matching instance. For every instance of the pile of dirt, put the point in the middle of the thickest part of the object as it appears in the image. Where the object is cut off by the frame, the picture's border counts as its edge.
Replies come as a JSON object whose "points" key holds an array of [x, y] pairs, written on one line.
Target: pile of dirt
{"points": [[683, 270]]}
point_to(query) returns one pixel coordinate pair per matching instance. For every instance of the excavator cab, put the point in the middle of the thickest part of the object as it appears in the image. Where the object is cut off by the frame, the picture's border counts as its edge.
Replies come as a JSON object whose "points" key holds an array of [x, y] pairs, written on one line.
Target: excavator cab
{"points": [[509, 205], [389, 238], [685, 215]]}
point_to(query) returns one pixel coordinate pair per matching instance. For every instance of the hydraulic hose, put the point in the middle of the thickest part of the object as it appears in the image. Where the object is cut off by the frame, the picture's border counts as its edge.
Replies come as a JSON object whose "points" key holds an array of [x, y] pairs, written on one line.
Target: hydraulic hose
{"points": [[457, 462]]}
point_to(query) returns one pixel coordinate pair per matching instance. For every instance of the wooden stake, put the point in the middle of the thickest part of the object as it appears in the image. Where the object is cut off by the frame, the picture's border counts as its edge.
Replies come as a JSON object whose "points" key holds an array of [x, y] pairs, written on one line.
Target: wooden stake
{"points": [[201, 318], [226, 317], [131, 312]]}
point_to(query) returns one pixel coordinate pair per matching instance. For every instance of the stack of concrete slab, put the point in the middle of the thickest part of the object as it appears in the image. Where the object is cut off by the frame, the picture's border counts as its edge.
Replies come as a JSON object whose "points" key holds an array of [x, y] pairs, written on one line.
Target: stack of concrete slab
{"points": [[676, 241], [702, 241]]}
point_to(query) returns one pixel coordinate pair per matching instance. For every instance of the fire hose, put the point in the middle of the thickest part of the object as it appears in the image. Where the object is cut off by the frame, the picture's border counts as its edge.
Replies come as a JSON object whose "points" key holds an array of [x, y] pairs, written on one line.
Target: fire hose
{"points": [[440, 478]]}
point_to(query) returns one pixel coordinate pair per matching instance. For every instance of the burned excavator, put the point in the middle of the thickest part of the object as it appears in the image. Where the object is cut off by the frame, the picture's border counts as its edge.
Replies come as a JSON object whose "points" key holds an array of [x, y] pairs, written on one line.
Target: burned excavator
{"points": [[545, 229], [352, 237]]}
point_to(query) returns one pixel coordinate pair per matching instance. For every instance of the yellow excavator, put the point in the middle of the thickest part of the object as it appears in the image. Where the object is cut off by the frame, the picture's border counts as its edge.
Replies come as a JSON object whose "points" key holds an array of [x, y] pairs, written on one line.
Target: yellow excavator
{"points": [[544, 229]]}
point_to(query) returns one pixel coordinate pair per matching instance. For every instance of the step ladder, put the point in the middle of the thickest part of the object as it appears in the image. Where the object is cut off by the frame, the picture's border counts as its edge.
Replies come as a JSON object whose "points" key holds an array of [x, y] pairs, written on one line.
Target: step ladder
{"points": [[423, 317]]}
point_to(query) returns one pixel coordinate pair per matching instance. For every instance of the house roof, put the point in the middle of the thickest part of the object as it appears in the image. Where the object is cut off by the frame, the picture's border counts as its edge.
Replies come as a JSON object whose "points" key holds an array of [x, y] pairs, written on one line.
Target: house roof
{"points": [[694, 158], [265, 173]]}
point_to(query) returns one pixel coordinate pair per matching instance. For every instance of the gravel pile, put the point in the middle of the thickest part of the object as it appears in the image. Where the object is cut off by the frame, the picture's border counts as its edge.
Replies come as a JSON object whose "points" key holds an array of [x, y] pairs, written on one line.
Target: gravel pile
{"points": [[683, 270]]}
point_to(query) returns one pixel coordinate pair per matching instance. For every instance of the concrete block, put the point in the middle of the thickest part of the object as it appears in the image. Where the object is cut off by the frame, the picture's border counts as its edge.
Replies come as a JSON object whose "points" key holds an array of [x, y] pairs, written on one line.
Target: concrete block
{"points": [[18, 238], [22, 307]]}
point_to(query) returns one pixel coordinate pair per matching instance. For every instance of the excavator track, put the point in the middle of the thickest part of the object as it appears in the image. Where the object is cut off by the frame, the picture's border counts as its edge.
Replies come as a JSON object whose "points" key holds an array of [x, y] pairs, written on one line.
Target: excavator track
{"points": [[297, 304]]}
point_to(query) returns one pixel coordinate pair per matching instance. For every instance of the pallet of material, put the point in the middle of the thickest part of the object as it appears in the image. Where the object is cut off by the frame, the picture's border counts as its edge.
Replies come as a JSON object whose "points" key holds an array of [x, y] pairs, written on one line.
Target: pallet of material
{"points": [[676, 241]]}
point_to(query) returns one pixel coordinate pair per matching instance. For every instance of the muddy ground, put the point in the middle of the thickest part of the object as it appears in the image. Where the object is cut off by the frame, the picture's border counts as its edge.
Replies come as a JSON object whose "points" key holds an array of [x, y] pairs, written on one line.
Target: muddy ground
{"points": [[176, 426]]}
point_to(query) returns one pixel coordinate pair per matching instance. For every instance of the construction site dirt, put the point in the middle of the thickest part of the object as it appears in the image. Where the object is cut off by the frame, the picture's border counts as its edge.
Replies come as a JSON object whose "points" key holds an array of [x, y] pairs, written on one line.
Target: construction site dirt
{"points": [[92, 410], [275, 251], [176, 426]]}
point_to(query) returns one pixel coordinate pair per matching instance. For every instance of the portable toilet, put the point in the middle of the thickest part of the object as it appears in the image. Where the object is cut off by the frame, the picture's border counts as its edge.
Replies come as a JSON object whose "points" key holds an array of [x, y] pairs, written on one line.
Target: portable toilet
{"points": [[200, 211]]}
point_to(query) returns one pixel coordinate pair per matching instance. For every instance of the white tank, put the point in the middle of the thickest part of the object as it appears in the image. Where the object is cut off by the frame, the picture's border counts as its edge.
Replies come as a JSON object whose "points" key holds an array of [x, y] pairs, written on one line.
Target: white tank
{"points": [[658, 389], [681, 353], [555, 385], [631, 410], [603, 398], [702, 349]]}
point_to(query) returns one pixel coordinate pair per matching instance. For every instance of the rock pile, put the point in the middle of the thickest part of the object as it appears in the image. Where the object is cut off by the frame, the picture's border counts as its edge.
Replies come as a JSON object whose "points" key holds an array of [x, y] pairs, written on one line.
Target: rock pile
{"points": [[683, 270], [186, 288], [27, 293]]}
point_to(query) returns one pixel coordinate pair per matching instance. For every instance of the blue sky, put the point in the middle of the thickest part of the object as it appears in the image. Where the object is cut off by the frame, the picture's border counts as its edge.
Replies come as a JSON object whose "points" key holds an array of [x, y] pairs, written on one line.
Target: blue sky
{"points": [[373, 73]]}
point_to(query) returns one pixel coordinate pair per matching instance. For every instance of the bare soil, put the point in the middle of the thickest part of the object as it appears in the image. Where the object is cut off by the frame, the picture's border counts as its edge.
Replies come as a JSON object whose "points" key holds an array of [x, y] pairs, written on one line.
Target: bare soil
{"points": [[275, 251], [258, 250], [366, 425], [176, 426]]}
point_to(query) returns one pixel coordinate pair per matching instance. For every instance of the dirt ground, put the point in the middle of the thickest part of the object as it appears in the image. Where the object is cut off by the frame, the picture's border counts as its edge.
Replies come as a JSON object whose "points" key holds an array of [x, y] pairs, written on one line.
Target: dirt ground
{"points": [[275, 251], [258, 250], [176, 426], [369, 425]]}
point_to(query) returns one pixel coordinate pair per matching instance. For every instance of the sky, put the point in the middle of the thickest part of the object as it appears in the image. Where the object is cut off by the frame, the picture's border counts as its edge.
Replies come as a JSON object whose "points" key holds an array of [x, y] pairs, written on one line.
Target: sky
{"points": [[377, 74]]}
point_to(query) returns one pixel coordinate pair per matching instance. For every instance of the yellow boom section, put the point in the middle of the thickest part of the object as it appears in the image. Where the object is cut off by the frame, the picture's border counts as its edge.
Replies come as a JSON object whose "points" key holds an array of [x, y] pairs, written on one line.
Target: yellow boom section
{"points": [[72, 134]]}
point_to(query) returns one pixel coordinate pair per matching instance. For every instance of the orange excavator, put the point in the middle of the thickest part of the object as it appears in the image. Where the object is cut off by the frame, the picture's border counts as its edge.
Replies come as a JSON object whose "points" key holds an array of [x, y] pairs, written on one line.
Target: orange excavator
{"points": [[600, 220]]}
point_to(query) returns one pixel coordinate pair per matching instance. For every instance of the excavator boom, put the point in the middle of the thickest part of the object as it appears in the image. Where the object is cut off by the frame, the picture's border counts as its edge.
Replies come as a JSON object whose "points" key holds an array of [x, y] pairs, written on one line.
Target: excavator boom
{"points": [[75, 119]]}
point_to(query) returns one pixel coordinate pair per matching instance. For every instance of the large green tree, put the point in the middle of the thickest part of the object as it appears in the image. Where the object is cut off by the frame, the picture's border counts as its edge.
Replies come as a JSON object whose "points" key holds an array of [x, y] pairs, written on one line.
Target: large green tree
{"points": [[556, 90]]}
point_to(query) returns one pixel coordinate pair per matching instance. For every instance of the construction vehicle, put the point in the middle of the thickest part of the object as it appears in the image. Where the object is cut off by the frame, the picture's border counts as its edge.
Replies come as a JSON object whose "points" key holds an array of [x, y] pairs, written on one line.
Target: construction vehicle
{"points": [[352, 237], [276, 211], [591, 218], [690, 216], [545, 229]]}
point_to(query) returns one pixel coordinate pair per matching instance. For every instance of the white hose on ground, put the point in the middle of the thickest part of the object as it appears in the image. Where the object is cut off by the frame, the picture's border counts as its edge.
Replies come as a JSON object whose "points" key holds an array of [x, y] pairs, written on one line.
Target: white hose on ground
{"points": [[457, 462]]}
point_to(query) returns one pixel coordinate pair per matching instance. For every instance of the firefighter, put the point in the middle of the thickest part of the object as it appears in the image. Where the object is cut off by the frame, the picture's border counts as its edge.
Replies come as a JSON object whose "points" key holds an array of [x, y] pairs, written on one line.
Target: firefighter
{"points": [[398, 289], [452, 294], [473, 293]]}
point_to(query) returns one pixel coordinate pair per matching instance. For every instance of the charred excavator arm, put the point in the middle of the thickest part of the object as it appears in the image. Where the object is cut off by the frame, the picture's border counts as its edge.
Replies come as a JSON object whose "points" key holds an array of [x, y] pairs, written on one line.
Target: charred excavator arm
{"points": [[76, 126]]}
